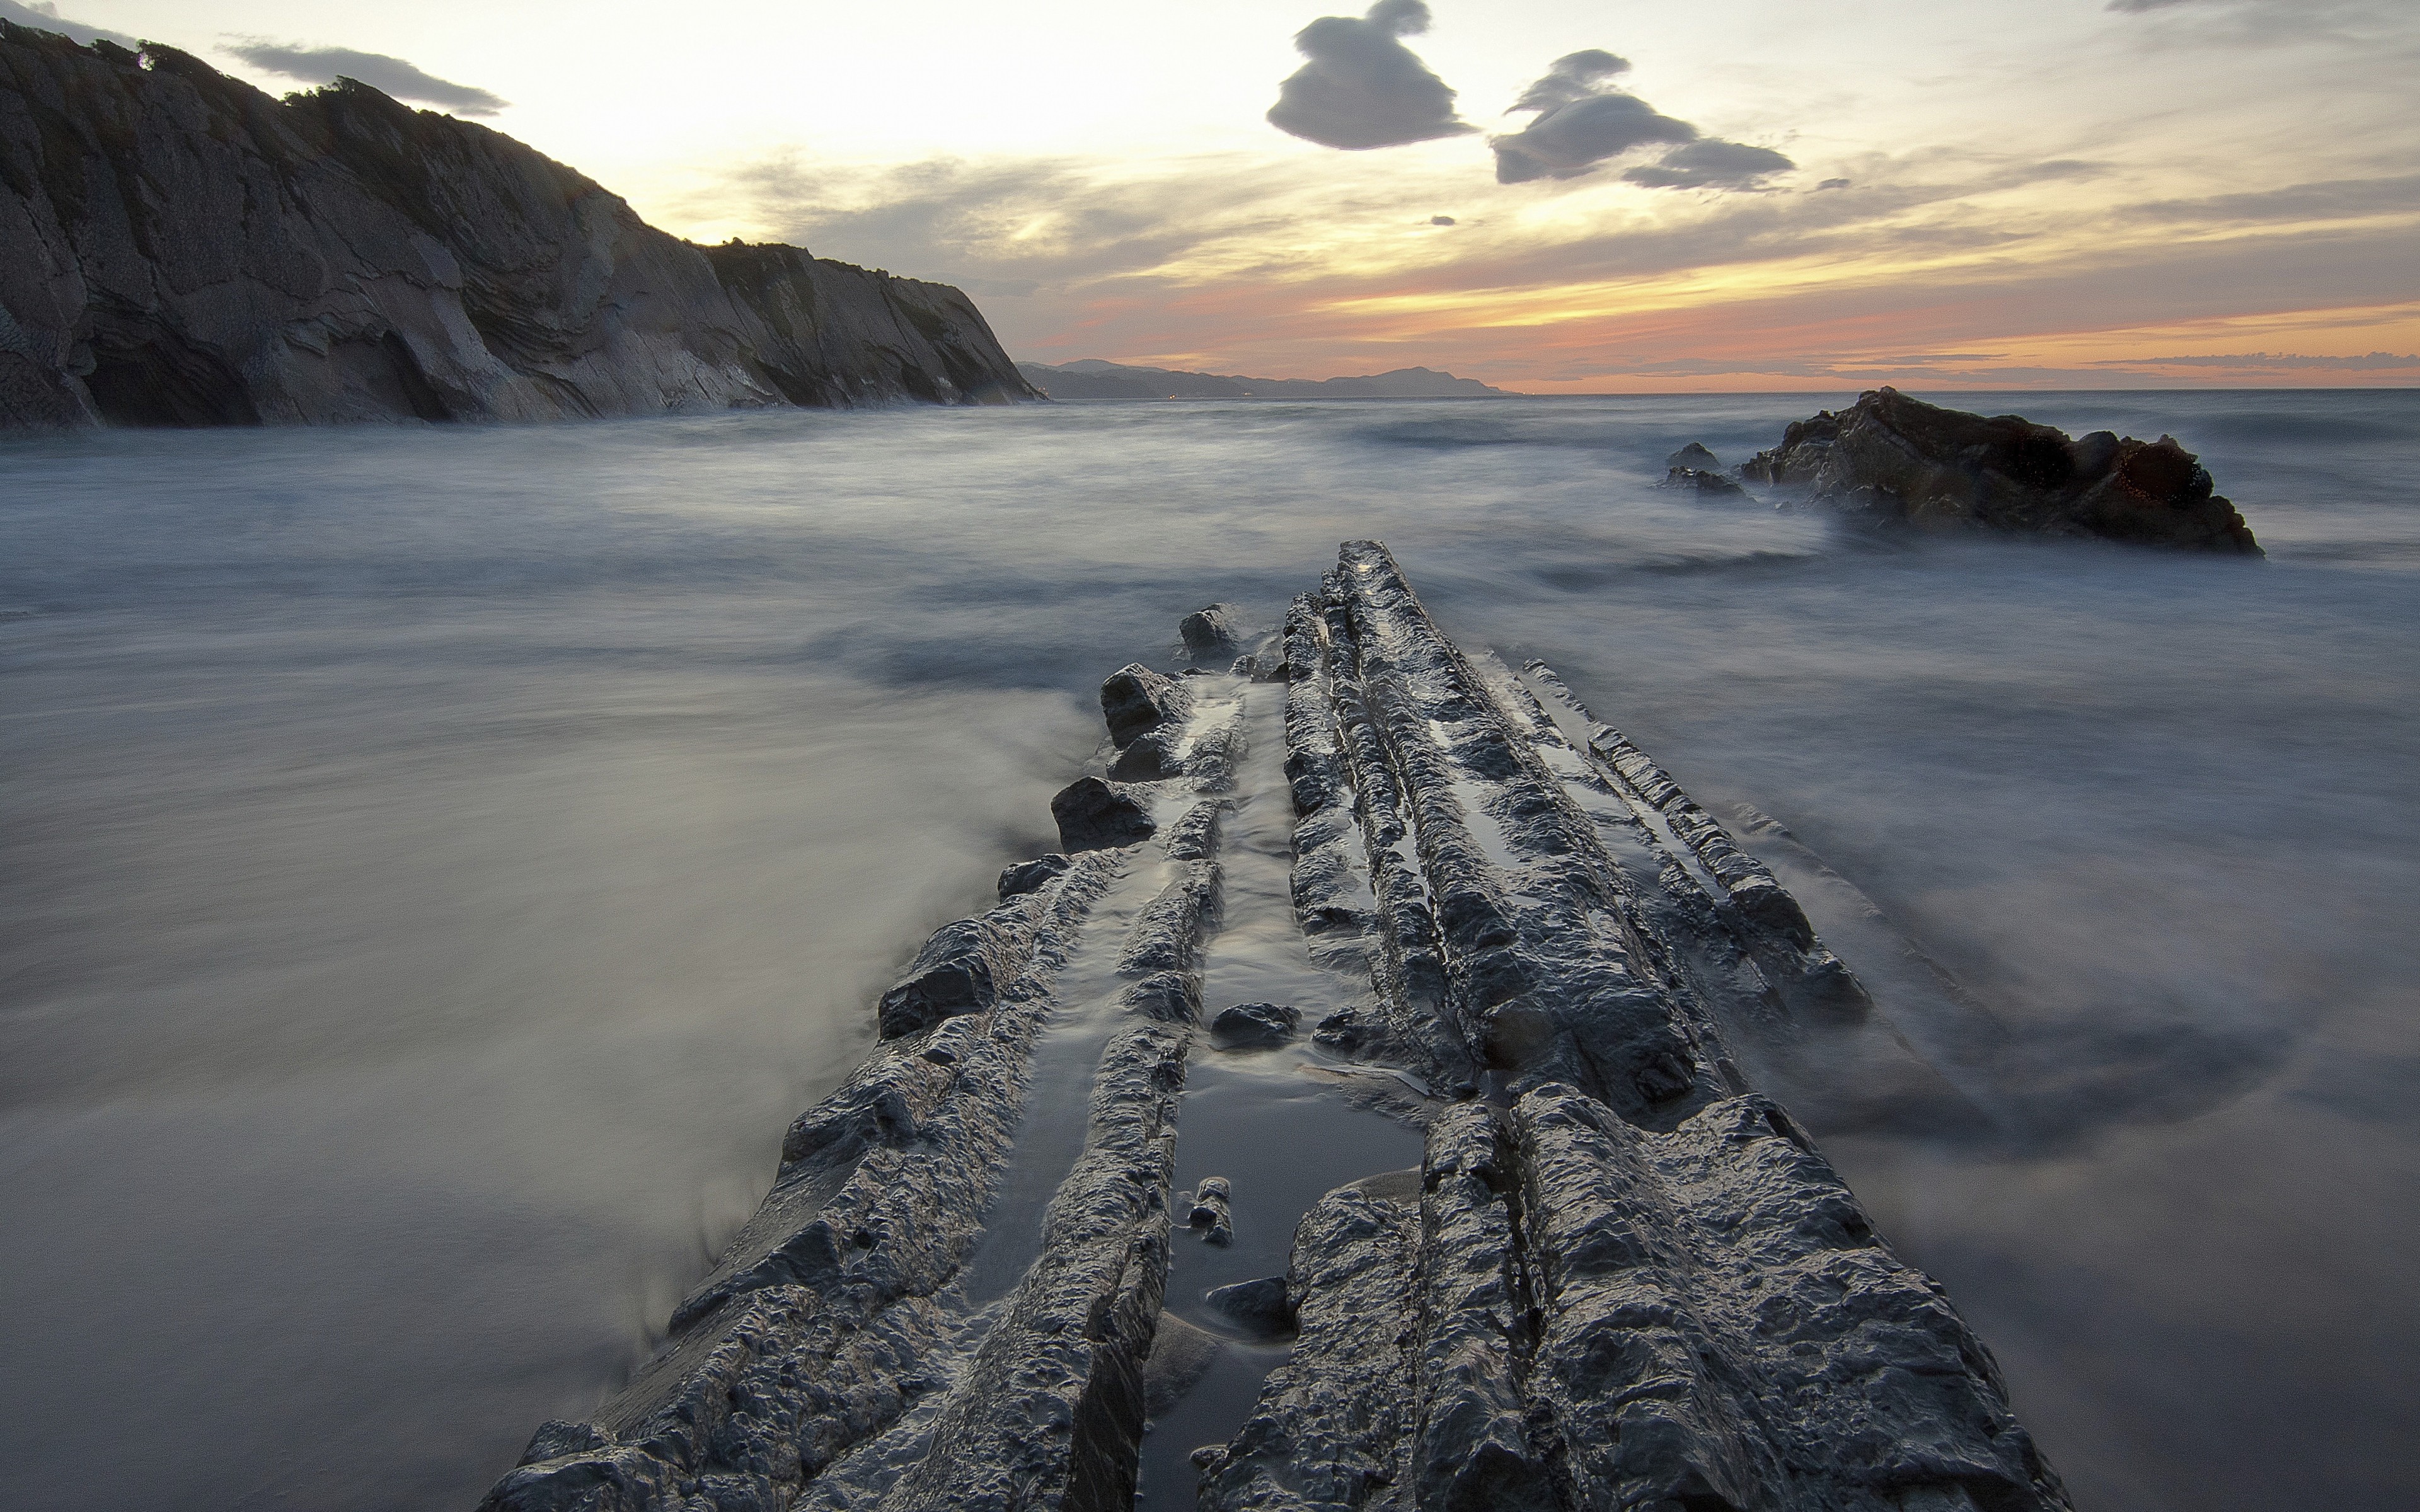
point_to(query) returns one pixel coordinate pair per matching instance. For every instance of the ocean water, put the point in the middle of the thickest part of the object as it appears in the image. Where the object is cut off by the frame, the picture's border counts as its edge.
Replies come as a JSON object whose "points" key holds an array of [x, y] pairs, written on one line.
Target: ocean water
{"points": [[435, 864]]}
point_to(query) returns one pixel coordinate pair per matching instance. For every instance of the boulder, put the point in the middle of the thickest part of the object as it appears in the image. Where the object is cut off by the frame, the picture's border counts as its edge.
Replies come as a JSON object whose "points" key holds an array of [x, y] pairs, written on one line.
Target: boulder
{"points": [[1693, 457], [1700, 480], [1136, 701], [1211, 1212], [1900, 460], [1094, 815], [1253, 1024], [956, 972], [1259, 1306], [1212, 631]]}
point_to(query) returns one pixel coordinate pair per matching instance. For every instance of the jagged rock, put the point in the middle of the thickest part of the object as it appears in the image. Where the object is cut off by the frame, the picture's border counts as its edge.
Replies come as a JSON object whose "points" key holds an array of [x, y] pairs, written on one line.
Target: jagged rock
{"points": [[1095, 816], [1693, 457], [1705, 481], [1029, 876], [1211, 1211], [955, 973], [1149, 757], [1901, 460], [1212, 631], [1135, 700], [179, 248], [1254, 1024], [1259, 1306]]}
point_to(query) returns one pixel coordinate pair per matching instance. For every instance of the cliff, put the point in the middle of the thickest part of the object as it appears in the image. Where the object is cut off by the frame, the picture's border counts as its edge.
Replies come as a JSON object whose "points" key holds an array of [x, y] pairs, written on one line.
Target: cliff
{"points": [[179, 248]]}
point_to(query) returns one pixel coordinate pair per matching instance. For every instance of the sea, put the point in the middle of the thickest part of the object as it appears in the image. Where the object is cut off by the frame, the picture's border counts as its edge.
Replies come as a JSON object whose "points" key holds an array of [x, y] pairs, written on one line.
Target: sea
{"points": [[435, 863]]}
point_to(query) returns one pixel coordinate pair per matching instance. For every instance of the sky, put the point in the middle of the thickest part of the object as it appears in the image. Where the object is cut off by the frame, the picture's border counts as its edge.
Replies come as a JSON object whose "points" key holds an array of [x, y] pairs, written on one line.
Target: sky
{"points": [[1553, 196]]}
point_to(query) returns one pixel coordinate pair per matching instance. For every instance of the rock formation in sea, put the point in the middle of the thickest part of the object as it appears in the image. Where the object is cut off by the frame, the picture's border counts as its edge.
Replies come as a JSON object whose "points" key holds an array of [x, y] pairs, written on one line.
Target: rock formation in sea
{"points": [[1621, 1276], [179, 248], [1899, 461]]}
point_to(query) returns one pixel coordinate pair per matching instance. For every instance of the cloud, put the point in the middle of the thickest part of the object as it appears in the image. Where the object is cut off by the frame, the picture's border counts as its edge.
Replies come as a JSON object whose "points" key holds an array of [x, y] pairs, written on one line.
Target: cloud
{"points": [[45, 17], [1582, 123], [1709, 163], [392, 75], [1575, 76], [1362, 88], [1441, 220], [2325, 200]]}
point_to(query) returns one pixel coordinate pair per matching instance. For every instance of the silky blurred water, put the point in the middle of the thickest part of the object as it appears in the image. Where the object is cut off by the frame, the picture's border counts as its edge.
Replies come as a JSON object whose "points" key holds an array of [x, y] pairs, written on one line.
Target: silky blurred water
{"points": [[435, 864]]}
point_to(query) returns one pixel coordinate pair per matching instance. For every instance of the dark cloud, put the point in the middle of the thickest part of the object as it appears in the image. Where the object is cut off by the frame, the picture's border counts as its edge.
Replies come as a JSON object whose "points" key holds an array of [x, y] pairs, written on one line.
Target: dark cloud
{"points": [[2326, 200], [1440, 220], [1710, 164], [1572, 139], [45, 17], [1362, 88], [1833, 183], [1575, 76], [1583, 123], [392, 75]]}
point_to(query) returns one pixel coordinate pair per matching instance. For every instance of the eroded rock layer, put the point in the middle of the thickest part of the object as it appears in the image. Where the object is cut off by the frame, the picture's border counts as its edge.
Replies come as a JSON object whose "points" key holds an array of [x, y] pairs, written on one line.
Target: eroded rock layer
{"points": [[179, 248], [1621, 1277]]}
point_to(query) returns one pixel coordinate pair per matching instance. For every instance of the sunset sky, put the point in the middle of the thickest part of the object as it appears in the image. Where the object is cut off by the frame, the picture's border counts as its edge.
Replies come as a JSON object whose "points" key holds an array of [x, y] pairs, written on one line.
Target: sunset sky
{"points": [[2073, 192]]}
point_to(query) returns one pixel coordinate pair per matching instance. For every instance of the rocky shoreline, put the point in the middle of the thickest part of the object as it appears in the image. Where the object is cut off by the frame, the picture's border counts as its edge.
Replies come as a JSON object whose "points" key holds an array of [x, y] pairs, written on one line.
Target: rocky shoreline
{"points": [[177, 248], [1621, 1274]]}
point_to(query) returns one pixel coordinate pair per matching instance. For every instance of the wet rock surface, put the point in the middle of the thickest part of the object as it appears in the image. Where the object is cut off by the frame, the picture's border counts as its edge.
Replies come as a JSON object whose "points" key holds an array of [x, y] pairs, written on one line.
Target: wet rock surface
{"points": [[1254, 1024], [1095, 816], [1620, 1276], [1901, 461], [177, 248]]}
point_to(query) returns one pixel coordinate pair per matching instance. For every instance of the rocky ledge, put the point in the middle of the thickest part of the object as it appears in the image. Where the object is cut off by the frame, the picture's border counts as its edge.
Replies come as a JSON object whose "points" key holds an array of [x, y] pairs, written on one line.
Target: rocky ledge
{"points": [[179, 248], [1898, 460], [1621, 1274]]}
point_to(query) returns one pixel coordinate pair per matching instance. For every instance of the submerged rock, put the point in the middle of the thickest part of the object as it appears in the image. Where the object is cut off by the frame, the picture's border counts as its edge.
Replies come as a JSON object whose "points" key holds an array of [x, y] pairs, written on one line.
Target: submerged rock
{"points": [[1901, 460], [1254, 1024], [180, 249], [1705, 481], [1693, 457], [1094, 815], [1259, 1306]]}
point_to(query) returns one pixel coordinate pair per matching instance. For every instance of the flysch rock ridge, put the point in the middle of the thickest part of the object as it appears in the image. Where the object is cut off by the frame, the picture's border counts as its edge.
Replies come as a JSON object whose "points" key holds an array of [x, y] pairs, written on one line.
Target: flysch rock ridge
{"points": [[1620, 1278], [179, 248], [825, 1361]]}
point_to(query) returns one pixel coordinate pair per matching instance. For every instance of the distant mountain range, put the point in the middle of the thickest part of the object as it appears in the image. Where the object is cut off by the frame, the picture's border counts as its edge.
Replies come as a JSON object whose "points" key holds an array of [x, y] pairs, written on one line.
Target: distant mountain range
{"points": [[1093, 378]]}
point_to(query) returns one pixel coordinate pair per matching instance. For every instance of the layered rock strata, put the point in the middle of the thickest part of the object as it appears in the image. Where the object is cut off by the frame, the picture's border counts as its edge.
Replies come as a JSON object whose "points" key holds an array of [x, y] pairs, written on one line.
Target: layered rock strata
{"points": [[1620, 1276], [1901, 461], [177, 248]]}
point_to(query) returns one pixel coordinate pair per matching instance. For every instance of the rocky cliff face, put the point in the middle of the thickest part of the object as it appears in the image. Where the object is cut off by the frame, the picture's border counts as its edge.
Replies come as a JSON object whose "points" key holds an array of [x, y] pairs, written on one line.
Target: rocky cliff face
{"points": [[179, 248]]}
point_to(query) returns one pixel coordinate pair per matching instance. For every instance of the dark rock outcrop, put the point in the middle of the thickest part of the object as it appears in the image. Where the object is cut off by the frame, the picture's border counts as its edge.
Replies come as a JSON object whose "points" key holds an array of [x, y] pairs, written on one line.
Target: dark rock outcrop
{"points": [[177, 248], [1259, 1306], [1094, 815], [1254, 1024], [1214, 630], [1136, 701], [1900, 460]]}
